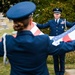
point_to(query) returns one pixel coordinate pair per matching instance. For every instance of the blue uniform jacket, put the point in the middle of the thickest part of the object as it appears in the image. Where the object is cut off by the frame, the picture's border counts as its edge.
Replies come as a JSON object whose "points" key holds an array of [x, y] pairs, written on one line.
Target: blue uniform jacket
{"points": [[27, 53], [55, 29]]}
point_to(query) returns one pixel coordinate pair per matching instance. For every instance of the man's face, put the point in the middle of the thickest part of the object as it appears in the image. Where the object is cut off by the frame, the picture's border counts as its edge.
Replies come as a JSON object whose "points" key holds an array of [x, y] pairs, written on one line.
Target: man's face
{"points": [[57, 15]]}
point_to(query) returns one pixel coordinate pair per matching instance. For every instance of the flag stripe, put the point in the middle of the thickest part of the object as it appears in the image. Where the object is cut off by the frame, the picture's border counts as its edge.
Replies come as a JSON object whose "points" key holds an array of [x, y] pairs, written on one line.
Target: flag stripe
{"points": [[37, 32], [66, 38]]}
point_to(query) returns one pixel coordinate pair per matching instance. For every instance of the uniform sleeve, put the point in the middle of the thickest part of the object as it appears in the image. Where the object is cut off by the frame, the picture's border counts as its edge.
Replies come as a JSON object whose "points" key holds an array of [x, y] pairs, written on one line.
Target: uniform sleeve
{"points": [[60, 48], [45, 25], [69, 24], [1, 49]]}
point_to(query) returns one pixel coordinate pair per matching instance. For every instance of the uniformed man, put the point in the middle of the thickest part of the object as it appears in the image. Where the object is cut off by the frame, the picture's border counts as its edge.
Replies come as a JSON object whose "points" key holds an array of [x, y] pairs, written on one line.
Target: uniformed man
{"points": [[57, 26], [27, 53]]}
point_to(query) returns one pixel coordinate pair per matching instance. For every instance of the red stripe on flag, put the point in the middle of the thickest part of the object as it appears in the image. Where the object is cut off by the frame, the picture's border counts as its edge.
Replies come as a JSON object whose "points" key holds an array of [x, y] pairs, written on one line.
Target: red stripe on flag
{"points": [[37, 32], [66, 38]]}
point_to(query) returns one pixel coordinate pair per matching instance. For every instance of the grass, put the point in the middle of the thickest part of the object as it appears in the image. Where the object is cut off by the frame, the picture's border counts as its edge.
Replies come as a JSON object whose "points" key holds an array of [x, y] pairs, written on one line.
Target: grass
{"points": [[5, 70]]}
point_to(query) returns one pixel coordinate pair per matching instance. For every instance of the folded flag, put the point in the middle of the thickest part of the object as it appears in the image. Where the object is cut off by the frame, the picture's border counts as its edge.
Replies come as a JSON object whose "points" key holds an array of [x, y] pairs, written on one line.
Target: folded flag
{"points": [[66, 36]]}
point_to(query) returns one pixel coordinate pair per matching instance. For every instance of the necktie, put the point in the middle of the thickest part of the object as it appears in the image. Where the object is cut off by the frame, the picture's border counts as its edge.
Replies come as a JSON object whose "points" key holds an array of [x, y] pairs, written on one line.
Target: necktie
{"points": [[56, 21]]}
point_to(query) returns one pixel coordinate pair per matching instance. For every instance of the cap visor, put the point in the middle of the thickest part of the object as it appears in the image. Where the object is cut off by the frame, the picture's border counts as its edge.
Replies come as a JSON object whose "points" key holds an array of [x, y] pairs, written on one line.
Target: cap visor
{"points": [[58, 12]]}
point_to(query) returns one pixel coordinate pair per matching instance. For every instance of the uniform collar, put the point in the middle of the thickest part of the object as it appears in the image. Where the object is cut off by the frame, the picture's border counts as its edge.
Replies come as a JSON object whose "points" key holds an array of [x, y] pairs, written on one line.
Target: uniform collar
{"points": [[25, 32], [57, 20]]}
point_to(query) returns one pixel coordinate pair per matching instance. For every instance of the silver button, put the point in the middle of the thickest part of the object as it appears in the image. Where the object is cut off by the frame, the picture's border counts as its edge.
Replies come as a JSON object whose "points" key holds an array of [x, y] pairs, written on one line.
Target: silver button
{"points": [[56, 27], [56, 30]]}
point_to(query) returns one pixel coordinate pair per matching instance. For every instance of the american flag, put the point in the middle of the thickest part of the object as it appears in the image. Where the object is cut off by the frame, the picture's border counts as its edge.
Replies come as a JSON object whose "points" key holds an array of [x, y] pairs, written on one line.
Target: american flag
{"points": [[66, 36]]}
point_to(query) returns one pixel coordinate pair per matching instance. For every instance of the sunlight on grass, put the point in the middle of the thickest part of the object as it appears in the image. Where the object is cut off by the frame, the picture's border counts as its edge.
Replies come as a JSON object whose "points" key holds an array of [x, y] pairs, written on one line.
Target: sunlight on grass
{"points": [[4, 70]]}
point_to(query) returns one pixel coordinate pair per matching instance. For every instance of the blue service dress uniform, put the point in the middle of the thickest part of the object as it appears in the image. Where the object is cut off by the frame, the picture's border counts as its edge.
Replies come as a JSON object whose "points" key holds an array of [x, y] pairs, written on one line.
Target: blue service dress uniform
{"points": [[27, 53], [56, 29]]}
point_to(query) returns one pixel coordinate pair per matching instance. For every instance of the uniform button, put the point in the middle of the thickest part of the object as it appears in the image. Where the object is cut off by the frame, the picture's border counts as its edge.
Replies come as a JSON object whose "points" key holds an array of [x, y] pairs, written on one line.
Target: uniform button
{"points": [[56, 33], [56, 30], [56, 27]]}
